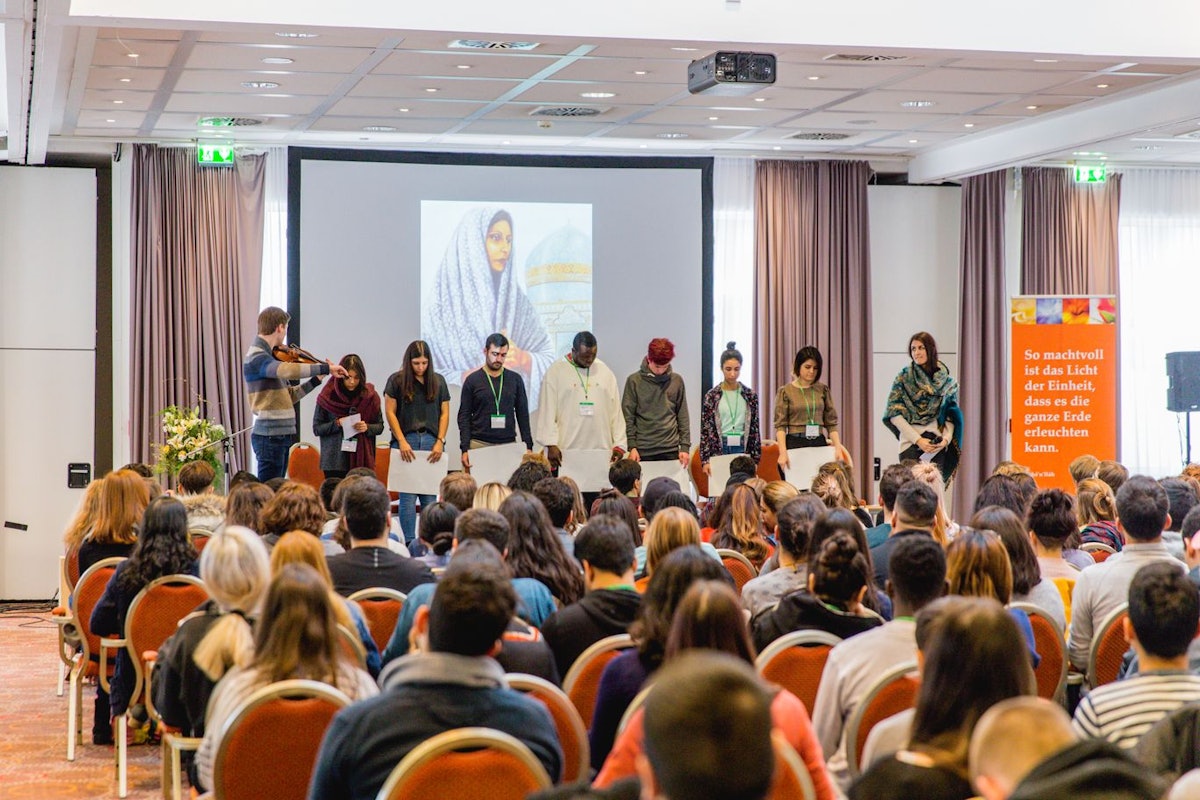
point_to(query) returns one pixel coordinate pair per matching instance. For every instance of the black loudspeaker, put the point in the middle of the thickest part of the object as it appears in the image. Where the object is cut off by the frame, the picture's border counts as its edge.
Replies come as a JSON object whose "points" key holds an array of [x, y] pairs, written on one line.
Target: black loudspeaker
{"points": [[1183, 381]]}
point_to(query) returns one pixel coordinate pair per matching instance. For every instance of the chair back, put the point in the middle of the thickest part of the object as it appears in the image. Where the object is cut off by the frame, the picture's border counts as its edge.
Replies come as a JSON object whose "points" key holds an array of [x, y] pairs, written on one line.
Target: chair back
{"points": [[893, 692], [269, 744], [1099, 551], [634, 706], [72, 568], [583, 678], [1108, 649], [199, 538], [155, 614], [304, 465], [795, 661], [351, 646], [1066, 586], [1051, 672], [791, 780], [467, 763], [88, 591], [381, 608], [572, 733], [739, 567], [696, 469], [768, 462]]}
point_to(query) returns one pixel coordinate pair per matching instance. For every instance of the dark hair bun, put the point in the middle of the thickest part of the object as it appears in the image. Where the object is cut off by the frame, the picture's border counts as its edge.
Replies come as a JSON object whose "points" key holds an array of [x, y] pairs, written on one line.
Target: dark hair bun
{"points": [[837, 551], [731, 345]]}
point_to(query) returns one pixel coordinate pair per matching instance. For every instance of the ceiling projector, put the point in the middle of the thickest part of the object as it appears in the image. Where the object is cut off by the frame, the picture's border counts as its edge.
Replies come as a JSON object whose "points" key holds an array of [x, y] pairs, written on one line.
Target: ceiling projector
{"points": [[729, 73]]}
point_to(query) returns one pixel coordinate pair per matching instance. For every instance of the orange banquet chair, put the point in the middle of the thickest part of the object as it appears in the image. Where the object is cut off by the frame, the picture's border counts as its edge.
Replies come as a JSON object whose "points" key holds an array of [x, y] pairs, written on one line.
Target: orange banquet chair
{"points": [[153, 616], [1108, 649], [1099, 551], [572, 732], [768, 462], [304, 465], [582, 683], [381, 608], [696, 470], [77, 643], [1051, 673], [795, 661], [792, 780], [269, 745], [894, 691], [739, 567], [464, 764]]}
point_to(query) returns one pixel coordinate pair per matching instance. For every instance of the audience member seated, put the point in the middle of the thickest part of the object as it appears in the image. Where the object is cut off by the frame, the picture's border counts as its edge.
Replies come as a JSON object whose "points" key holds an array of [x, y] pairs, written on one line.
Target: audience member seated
{"points": [[1097, 509], [370, 563], [1113, 473], [793, 530], [977, 566], [973, 660], [121, 501], [917, 577], [294, 507], [610, 602], [1028, 585], [337, 532], [535, 550], [836, 520], [534, 601], [1083, 467], [1164, 610], [1182, 499], [451, 680], [741, 527], [1142, 513], [205, 508], [559, 501], [838, 581], [1023, 749], [774, 496], [895, 476], [617, 505], [296, 638], [1052, 524], [245, 503], [436, 533], [528, 473], [579, 514], [491, 495], [458, 489], [625, 477], [1003, 491], [624, 676], [912, 515], [672, 528], [654, 492], [710, 618], [943, 529], [1191, 544]]}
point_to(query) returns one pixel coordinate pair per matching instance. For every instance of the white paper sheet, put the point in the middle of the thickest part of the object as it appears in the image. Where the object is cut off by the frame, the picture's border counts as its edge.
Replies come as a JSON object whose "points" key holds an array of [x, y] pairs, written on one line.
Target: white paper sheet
{"points": [[588, 468], [718, 475], [805, 461], [417, 476], [669, 469], [495, 463], [348, 424]]}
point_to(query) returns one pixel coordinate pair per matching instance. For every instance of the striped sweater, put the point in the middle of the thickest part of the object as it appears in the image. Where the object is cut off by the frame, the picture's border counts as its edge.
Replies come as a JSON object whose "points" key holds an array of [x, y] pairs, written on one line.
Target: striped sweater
{"points": [[272, 398], [1121, 712]]}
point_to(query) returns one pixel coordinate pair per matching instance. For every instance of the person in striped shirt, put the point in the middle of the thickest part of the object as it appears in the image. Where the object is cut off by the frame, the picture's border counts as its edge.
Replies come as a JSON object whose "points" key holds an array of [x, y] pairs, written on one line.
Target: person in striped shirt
{"points": [[1164, 609]]}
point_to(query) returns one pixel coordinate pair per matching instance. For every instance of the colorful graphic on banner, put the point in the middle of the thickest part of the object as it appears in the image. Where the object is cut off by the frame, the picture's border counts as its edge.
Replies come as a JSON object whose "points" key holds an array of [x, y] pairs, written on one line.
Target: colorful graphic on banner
{"points": [[1064, 383]]}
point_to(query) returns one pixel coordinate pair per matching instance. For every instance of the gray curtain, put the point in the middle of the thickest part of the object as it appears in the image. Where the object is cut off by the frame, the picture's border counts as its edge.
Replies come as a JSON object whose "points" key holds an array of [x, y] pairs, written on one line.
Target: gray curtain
{"points": [[983, 314], [1068, 233], [813, 287], [196, 248]]}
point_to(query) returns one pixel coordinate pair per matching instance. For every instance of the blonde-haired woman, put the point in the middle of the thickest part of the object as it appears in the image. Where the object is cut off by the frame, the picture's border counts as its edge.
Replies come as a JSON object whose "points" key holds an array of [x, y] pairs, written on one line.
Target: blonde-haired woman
{"points": [[491, 496], [85, 516], [1097, 510], [671, 528], [943, 528], [120, 502], [741, 527], [297, 638], [219, 635]]}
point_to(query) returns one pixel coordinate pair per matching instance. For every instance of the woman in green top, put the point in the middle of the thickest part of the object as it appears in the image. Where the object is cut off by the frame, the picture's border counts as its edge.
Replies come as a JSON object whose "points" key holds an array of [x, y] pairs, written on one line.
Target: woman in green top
{"points": [[804, 412], [729, 414]]}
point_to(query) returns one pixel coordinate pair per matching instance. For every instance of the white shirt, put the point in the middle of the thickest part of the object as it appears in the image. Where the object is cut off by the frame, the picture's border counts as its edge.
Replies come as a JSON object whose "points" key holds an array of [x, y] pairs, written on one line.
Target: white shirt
{"points": [[560, 422]]}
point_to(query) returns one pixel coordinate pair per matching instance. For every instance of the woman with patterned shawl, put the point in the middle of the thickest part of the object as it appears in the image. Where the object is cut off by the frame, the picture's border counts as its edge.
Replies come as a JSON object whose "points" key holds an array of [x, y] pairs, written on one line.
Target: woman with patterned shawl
{"points": [[922, 409], [476, 294]]}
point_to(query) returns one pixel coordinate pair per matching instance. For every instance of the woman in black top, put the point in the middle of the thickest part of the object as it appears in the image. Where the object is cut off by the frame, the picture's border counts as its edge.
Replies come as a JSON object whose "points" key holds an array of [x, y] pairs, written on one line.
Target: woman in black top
{"points": [[417, 403]]}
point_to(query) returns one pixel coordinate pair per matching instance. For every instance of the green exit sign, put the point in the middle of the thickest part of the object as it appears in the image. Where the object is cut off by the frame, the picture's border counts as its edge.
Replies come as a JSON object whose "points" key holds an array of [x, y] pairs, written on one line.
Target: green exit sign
{"points": [[1091, 174], [212, 155]]}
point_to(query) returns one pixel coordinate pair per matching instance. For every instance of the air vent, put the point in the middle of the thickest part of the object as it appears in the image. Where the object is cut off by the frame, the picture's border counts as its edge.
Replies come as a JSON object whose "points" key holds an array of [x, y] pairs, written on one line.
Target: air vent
{"points": [[863, 57], [484, 44], [820, 136], [228, 122], [567, 111]]}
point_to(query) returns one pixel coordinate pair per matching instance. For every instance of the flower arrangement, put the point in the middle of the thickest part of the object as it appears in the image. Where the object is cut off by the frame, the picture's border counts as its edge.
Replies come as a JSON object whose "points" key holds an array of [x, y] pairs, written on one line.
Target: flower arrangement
{"points": [[186, 432]]}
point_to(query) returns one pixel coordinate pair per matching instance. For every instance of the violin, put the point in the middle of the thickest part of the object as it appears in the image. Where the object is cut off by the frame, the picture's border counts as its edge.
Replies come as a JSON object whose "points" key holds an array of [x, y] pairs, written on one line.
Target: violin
{"points": [[294, 354]]}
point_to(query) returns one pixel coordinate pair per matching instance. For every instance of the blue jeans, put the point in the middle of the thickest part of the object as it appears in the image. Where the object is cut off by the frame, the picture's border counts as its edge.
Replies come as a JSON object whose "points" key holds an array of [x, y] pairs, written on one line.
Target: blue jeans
{"points": [[272, 455], [408, 501], [726, 450]]}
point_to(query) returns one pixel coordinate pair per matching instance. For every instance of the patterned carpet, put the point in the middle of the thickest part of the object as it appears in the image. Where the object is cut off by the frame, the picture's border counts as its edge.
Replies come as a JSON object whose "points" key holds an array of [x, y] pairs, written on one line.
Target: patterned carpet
{"points": [[33, 750]]}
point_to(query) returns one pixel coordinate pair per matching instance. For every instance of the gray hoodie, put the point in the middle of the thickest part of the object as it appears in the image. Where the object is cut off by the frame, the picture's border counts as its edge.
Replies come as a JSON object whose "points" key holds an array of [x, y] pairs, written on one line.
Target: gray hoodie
{"points": [[656, 413]]}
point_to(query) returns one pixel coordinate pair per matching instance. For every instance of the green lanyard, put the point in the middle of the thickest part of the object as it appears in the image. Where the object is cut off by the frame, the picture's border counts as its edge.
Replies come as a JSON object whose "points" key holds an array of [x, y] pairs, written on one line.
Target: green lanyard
{"points": [[584, 383], [806, 395], [730, 406], [496, 394]]}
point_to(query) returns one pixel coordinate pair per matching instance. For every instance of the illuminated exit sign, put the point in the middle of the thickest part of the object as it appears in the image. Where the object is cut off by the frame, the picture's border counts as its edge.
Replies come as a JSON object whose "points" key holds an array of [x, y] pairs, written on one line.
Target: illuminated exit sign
{"points": [[1091, 174], [214, 155]]}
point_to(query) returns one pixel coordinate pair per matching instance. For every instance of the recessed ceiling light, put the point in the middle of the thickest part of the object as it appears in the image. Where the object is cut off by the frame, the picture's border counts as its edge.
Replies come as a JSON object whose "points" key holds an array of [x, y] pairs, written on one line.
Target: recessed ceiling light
{"points": [[862, 122], [260, 85], [1104, 158], [760, 99], [378, 128], [431, 89], [776, 147], [814, 77], [132, 55], [912, 141], [1101, 85], [640, 72], [110, 120], [118, 102], [684, 49], [598, 94], [402, 110], [968, 124], [506, 142], [1045, 60], [464, 66], [278, 60], [672, 135], [1031, 108], [916, 103], [642, 146], [713, 119], [1147, 147], [290, 35], [126, 80]]}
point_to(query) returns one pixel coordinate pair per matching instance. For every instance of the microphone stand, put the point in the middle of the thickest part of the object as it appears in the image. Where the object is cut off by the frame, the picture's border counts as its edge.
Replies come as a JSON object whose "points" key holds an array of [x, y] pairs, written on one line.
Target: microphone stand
{"points": [[226, 443]]}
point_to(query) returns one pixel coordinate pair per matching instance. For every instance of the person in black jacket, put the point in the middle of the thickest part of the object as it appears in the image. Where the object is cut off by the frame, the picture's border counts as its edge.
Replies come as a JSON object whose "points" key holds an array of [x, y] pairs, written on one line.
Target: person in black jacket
{"points": [[493, 403], [370, 563]]}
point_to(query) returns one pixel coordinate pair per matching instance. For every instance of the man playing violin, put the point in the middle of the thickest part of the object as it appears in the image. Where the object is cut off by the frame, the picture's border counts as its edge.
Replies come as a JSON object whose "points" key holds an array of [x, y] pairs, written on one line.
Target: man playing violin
{"points": [[273, 389]]}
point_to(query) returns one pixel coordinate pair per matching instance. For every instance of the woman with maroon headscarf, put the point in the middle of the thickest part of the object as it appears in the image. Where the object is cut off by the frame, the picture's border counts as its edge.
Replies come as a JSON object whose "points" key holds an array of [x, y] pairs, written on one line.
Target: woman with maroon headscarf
{"points": [[341, 398]]}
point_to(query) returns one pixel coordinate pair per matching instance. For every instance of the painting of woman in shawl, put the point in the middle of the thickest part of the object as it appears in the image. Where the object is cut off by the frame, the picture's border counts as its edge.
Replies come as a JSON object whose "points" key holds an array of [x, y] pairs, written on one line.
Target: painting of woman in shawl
{"points": [[475, 294]]}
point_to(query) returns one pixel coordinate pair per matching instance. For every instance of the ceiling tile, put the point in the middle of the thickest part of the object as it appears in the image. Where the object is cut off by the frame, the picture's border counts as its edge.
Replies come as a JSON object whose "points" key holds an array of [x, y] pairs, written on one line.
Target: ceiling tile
{"points": [[247, 105], [652, 132], [409, 126], [858, 121], [265, 35], [187, 123], [752, 117], [511, 127], [440, 41], [616, 70], [390, 109], [552, 91], [137, 34], [1045, 104], [769, 97], [230, 82], [119, 53], [209, 55], [487, 64], [843, 76], [521, 111], [119, 100], [142, 79], [404, 87], [944, 103], [979, 81], [1116, 82]]}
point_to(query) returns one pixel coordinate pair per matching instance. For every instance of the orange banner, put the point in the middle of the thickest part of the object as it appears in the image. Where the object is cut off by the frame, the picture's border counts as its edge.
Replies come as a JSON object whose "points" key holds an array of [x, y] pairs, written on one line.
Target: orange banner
{"points": [[1064, 383]]}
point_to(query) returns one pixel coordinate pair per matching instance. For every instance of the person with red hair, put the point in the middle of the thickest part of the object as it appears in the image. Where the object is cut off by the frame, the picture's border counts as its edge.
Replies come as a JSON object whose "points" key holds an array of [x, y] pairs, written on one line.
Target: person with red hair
{"points": [[655, 406]]}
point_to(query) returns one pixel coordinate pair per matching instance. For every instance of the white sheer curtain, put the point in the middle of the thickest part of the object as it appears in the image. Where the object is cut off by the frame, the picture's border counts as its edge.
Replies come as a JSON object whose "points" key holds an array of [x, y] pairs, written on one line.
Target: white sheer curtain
{"points": [[1160, 282], [273, 290], [733, 261]]}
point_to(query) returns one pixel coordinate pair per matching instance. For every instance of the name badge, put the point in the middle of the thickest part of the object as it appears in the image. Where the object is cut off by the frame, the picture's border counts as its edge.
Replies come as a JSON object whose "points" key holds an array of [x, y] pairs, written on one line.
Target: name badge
{"points": [[812, 431], [587, 409], [349, 445], [733, 440], [499, 421]]}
